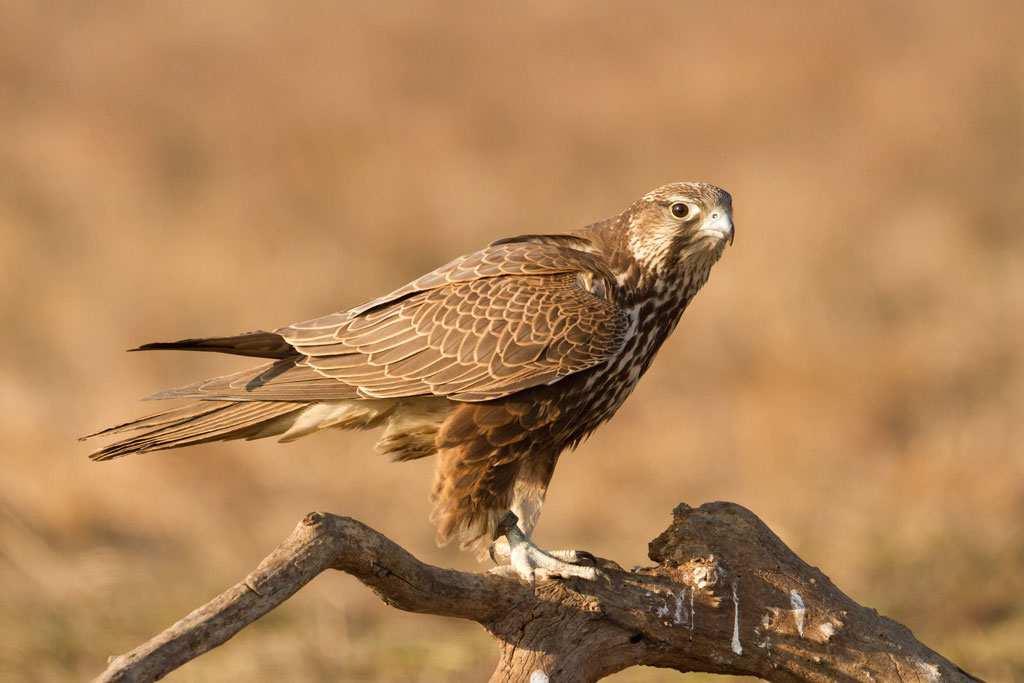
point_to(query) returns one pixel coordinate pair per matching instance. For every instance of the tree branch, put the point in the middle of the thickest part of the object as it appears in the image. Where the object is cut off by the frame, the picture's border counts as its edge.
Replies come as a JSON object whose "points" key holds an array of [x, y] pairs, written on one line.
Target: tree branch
{"points": [[726, 596]]}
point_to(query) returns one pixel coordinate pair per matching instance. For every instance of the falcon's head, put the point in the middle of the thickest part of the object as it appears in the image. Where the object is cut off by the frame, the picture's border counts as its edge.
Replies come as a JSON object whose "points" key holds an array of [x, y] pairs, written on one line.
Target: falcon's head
{"points": [[669, 224]]}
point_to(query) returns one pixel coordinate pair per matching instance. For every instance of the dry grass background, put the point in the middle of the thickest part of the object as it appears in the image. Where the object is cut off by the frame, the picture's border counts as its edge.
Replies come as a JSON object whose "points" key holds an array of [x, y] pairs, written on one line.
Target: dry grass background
{"points": [[853, 372]]}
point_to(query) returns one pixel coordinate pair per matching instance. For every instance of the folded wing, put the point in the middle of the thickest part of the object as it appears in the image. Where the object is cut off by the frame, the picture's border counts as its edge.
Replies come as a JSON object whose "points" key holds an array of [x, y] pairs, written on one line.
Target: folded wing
{"points": [[498, 321]]}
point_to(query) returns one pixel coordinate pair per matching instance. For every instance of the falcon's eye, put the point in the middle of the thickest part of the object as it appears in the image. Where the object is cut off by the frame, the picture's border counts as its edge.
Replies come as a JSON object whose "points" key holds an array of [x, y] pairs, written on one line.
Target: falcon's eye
{"points": [[680, 210]]}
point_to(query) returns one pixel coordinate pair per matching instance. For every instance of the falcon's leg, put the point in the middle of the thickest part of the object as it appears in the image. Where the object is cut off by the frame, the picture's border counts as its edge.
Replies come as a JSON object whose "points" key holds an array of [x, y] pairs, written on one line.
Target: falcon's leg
{"points": [[530, 562], [512, 532]]}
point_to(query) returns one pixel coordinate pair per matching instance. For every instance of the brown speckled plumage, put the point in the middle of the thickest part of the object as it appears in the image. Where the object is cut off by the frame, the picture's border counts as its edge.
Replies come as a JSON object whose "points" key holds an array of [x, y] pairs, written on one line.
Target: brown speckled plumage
{"points": [[496, 362]]}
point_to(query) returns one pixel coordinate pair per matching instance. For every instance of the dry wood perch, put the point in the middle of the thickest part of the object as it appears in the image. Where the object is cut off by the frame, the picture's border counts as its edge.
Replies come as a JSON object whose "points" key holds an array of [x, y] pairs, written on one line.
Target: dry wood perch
{"points": [[726, 596]]}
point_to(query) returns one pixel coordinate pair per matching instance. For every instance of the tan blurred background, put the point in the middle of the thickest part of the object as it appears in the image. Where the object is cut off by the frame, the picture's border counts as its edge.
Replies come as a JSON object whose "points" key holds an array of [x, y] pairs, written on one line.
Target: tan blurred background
{"points": [[853, 372]]}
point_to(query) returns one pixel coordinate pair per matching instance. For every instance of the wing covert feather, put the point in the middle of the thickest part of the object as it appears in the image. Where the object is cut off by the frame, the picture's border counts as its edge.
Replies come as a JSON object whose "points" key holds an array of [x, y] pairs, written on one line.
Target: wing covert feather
{"points": [[487, 325]]}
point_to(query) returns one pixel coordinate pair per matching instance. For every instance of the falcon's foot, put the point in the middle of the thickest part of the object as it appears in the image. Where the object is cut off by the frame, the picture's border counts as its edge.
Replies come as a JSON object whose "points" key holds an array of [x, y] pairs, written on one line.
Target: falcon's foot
{"points": [[529, 562]]}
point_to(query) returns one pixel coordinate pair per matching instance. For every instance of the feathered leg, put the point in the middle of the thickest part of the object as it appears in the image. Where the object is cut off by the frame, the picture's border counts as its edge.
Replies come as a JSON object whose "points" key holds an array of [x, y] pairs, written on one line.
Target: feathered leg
{"points": [[489, 488]]}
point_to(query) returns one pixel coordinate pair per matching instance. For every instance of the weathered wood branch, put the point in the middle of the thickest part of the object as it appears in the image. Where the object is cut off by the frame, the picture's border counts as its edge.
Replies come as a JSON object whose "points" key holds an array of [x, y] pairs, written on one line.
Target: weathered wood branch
{"points": [[726, 596]]}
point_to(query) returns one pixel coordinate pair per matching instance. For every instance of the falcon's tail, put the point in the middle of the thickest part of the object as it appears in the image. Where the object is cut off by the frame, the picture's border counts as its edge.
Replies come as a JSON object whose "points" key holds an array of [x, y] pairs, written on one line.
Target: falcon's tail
{"points": [[201, 422], [259, 344]]}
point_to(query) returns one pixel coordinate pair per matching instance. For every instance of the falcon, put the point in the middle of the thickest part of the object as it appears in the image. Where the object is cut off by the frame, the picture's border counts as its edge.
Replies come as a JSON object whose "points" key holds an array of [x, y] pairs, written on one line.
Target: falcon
{"points": [[494, 364]]}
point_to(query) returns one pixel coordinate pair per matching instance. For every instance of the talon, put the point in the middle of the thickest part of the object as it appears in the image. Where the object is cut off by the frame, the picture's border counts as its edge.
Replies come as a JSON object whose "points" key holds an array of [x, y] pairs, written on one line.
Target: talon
{"points": [[575, 557], [499, 551]]}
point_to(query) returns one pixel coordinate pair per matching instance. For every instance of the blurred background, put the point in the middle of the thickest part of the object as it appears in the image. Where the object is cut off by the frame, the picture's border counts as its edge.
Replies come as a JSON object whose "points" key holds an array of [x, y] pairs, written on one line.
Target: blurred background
{"points": [[853, 372]]}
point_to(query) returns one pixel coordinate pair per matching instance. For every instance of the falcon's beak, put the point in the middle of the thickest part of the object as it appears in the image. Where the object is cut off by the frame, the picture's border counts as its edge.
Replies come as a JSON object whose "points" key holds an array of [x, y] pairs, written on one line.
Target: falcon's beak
{"points": [[718, 224]]}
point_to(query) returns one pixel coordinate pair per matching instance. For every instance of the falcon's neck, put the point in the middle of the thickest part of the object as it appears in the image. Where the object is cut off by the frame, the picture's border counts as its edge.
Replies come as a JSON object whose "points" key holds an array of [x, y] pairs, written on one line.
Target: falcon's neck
{"points": [[670, 282]]}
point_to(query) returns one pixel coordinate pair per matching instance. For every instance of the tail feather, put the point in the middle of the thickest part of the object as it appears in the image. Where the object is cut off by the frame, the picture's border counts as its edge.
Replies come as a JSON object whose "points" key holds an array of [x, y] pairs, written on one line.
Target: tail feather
{"points": [[197, 423], [165, 418], [259, 344]]}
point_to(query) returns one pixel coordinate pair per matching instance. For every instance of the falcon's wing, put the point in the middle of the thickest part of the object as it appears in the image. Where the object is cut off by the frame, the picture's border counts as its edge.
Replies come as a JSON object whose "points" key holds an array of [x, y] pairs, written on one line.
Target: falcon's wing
{"points": [[470, 341], [503, 319]]}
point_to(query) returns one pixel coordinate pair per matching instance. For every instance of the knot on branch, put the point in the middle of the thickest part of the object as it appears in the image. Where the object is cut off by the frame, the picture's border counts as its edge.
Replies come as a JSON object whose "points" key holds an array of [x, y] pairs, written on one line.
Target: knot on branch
{"points": [[313, 518]]}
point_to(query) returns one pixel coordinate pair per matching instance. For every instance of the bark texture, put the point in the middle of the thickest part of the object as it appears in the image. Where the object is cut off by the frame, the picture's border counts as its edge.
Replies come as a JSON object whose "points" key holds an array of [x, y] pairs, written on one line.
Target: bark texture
{"points": [[725, 595]]}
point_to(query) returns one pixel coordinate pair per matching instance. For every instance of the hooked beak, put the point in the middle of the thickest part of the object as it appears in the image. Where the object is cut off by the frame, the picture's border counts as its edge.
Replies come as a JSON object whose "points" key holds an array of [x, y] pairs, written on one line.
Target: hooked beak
{"points": [[718, 224]]}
